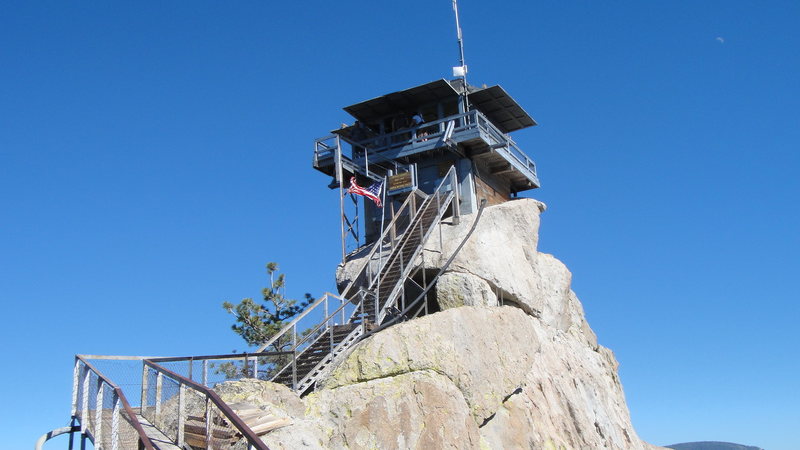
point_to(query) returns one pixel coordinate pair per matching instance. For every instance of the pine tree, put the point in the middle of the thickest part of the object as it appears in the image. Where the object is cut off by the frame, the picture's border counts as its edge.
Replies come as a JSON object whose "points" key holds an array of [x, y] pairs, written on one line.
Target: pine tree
{"points": [[257, 322]]}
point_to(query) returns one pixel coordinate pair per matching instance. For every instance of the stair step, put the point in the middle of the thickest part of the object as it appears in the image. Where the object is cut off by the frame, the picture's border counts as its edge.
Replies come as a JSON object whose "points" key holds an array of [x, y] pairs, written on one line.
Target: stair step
{"points": [[199, 429]]}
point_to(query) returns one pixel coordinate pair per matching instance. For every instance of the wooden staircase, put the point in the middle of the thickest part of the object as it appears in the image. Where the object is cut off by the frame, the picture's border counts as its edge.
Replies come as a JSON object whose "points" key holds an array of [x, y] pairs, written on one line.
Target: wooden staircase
{"points": [[223, 434]]}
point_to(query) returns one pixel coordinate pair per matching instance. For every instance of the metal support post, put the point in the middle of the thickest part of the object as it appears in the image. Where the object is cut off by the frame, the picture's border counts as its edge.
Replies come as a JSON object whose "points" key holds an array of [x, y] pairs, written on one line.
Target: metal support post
{"points": [[424, 282], [85, 406], [330, 333], [159, 385], [145, 373], [209, 412], [98, 414], [115, 413], [294, 356], [76, 370], [456, 200], [205, 372], [339, 177], [181, 414]]}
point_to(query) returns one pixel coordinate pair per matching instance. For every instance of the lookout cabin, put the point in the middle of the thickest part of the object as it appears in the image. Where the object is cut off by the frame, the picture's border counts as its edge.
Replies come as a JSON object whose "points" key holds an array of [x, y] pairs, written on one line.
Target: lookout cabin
{"points": [[411, 138]]}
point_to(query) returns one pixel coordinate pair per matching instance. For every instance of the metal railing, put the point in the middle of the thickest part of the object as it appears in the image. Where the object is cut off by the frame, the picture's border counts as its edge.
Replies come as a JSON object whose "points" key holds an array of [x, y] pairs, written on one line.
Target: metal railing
{"points": [[434, 132], [329, 312], [376, 259], [446, 193], [189, 412], [104, 414]]}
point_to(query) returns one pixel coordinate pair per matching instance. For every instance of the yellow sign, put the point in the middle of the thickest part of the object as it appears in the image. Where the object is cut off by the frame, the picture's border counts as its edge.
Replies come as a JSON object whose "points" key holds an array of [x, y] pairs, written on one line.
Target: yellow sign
{"points": [[400, 181]]}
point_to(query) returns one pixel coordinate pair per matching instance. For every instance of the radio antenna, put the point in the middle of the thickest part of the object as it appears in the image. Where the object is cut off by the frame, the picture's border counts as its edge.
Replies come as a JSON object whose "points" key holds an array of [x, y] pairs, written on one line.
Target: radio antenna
{"points": [[461, 70]]}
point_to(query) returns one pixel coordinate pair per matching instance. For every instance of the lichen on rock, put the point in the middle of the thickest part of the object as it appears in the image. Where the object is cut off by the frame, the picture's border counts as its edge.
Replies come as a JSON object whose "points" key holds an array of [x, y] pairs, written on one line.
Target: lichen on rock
{"points": [[477, 374]]}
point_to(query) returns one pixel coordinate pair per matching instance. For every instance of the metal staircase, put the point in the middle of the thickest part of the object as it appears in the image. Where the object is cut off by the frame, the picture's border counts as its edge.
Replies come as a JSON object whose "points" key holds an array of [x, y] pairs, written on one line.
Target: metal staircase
{"points": [[179, 407], [379, 287]]}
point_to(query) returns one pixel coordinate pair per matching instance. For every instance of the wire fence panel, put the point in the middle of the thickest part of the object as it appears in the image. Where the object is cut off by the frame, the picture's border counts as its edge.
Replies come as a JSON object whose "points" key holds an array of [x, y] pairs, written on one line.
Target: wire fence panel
{"points": [[90, 402], [167, 418], [126, 374], [103, 412]]}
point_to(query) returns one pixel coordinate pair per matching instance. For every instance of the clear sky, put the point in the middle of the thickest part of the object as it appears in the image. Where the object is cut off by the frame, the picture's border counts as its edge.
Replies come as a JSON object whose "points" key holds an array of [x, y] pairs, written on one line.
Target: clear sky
{"points": [[155, 155]]}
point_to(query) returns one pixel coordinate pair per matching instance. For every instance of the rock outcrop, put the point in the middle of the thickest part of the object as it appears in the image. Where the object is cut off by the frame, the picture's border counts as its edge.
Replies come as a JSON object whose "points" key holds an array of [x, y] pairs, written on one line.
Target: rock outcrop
{"points": [[508, 362]]}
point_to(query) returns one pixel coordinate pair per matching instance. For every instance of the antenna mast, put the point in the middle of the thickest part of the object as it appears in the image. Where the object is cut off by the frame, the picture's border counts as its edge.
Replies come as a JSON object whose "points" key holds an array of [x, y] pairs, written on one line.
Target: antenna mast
{"points": [[460, 71]]}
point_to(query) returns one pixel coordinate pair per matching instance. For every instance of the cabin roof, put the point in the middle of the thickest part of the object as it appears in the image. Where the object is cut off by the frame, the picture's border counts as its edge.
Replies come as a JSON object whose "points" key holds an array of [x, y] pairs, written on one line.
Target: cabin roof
{"points": [[501, 109], [494, 102]]}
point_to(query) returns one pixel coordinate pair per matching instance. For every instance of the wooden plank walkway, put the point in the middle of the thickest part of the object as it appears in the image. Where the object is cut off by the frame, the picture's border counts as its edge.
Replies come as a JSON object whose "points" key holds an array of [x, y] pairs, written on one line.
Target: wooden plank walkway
{"points": [[159, 440]]}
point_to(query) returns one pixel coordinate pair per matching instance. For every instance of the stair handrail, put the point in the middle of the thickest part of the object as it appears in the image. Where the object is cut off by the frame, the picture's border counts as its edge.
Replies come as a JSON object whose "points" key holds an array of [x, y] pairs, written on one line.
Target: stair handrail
{"points": [[356, 332], [449, 179], [378, 244], [252, 438], [320, 301], [293, 350], [442, 269], [144, 440]]}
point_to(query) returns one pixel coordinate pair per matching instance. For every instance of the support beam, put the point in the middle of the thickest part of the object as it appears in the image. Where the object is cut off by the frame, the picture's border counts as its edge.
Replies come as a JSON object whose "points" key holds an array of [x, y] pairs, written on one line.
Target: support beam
{"points": [[504, 168]]}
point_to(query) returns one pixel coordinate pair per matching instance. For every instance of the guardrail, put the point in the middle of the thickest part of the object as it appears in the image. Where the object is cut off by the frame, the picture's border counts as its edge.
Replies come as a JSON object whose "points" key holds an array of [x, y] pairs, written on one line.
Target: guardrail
{"points": [[441, 198], [434, 131], [104, 414], [189, 412]]}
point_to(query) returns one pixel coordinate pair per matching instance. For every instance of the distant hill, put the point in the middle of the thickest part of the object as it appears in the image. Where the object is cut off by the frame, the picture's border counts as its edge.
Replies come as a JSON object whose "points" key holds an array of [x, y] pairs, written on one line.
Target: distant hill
{"points": [[711, 445]]}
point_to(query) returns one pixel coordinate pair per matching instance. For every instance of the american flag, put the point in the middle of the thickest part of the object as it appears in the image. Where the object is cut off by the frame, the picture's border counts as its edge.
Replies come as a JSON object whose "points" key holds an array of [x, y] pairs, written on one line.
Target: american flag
{"points": [[373, 192]]}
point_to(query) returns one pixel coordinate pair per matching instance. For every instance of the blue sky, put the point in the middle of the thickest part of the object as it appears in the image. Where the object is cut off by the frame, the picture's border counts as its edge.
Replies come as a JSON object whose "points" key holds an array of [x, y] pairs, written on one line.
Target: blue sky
{"points": [[154, 156]]}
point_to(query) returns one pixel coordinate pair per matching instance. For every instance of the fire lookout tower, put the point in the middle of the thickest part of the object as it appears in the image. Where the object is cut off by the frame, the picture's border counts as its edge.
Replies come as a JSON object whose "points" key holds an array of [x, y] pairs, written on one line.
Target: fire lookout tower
{"points": [[411, 139]]}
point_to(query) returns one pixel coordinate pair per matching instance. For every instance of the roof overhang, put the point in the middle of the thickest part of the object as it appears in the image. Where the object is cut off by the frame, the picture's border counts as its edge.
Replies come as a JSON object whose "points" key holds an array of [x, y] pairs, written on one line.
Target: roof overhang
{"points": [[402, 101], [501, 109]]}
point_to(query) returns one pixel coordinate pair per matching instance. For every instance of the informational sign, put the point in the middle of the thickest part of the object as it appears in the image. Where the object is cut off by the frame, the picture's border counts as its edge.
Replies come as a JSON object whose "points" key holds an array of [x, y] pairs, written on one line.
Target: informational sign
{"points": [[401, 182]]}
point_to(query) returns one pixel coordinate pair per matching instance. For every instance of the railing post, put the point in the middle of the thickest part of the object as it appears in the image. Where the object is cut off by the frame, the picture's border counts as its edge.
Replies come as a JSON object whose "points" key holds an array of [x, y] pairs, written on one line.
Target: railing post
{"points": [[98, 414], [255, 367], [456, 199], [294, 356], [330, 333], [441, 238], [116, 411], [424, 283], [85, 406], [209, 412], [181, 414], [363, 315], [145, 373], [191, 364], [159, 384], [205, 372], [75, 381]]}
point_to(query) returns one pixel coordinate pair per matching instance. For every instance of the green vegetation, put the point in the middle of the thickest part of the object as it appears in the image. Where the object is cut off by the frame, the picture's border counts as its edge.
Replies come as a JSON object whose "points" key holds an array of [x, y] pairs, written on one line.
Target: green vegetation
{"points": [[257, 321]]}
